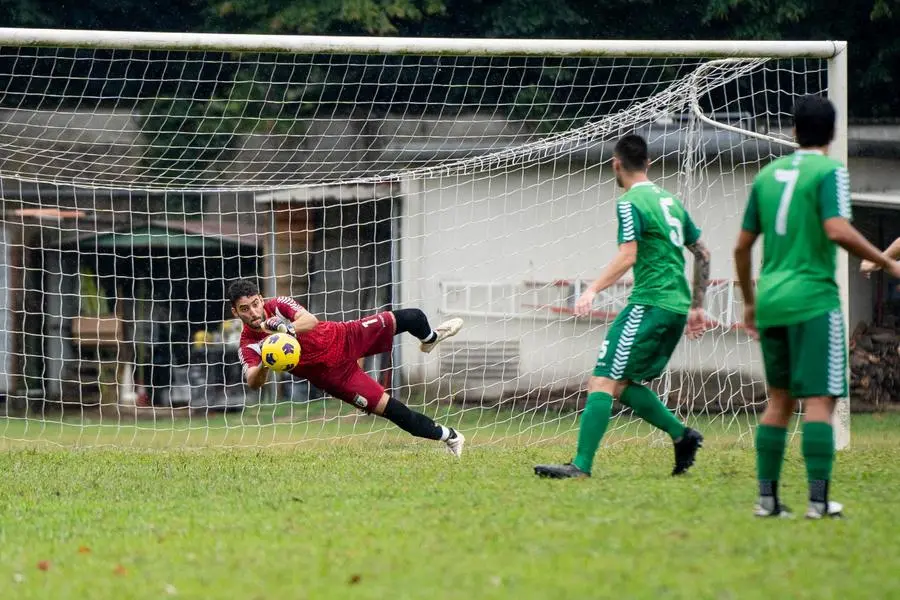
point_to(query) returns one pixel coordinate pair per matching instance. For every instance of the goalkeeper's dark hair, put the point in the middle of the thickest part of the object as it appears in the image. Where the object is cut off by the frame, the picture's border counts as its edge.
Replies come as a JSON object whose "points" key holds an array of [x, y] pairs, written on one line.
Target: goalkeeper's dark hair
{"points": [[814, 118], [242, 288], [633, 152]]}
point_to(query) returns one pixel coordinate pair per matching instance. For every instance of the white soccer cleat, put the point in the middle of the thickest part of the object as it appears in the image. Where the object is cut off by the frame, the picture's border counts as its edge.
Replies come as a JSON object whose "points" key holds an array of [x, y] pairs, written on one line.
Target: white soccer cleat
{"points": [[444, 330], [455, 444], [817, 510], [765, 508]]}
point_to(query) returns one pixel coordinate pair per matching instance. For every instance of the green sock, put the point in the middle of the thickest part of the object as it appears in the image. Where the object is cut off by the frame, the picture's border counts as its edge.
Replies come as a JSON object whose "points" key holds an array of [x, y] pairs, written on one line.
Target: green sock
{"points": [[770, 443], [650, 408], [594, 420], [818, 451]]}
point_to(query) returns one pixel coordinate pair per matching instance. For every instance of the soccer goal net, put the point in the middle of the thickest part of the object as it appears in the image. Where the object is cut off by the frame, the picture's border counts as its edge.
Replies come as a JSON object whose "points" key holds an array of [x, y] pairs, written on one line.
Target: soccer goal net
{"points": [[141, 173]]}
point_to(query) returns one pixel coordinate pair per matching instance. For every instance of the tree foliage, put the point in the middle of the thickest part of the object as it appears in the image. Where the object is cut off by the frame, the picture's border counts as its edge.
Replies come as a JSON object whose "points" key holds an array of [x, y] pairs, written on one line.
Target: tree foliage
{"points": [[868, 26], [345, 17]]}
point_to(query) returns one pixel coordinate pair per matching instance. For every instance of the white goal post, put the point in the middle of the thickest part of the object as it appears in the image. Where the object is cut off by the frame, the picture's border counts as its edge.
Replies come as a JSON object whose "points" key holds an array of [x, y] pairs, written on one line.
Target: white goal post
{"points": [[140, 172]]}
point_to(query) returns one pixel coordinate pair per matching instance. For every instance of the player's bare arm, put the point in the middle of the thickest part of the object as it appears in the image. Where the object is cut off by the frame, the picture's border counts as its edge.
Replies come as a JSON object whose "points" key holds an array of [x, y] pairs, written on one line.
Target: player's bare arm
{"points": [[256, 376], [304, 321], [697, 316], [701, 272], [892, 252], [743, 257], [617, 267], [841, 232]]}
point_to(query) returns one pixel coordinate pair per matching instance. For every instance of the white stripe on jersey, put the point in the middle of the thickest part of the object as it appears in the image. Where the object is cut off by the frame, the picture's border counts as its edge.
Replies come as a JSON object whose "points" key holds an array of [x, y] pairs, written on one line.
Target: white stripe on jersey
{"points": [[627, 219], [290, 302], [842, 183]]}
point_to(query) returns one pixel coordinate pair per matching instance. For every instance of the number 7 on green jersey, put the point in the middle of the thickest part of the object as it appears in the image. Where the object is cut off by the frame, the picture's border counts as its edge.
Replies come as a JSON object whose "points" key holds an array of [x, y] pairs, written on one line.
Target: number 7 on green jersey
{"points": [[789, 178]]}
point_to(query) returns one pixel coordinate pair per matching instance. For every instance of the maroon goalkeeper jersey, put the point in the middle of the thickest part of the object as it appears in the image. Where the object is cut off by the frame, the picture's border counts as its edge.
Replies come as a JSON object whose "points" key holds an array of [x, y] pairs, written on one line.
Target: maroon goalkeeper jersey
{"points": [[323, 346]]}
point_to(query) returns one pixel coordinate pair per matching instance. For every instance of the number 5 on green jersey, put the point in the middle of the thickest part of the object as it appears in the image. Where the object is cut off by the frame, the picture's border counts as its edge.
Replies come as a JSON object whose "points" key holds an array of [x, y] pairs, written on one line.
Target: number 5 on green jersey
{"points": [[676, 235]]}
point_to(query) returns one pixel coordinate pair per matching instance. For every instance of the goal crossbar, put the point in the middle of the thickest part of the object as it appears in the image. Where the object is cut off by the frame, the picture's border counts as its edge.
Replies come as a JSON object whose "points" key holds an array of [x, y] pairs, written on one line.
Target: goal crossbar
{"points": [[135, 40]]}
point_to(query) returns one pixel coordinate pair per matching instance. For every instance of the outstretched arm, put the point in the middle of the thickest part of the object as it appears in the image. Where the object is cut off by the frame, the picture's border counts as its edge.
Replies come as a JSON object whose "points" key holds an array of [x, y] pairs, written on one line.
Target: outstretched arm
{"points": [[256, 376], [304, 321], [841, 232], [892, 252], [614, 271], [292, 318], [255, 370], [836, 212]]}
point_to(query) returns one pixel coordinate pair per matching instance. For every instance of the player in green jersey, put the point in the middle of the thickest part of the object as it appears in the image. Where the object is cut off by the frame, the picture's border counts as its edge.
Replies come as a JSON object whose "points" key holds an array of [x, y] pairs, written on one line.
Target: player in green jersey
{"points": [[800, 205], [654, 229]]}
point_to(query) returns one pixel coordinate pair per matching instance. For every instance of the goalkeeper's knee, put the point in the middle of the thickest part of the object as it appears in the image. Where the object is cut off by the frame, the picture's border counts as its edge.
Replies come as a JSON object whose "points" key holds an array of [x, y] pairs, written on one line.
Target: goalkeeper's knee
{"points": [[414, 321]]}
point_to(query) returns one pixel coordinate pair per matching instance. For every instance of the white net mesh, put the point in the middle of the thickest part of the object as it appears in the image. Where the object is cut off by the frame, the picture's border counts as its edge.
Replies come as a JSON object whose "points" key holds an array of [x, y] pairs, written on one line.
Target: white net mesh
{"points": [[138, 183]]}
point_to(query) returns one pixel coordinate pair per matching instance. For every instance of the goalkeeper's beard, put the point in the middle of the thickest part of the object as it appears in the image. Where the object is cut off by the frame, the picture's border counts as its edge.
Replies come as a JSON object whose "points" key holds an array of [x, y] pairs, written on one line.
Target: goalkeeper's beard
{"points": [[255, 323]]}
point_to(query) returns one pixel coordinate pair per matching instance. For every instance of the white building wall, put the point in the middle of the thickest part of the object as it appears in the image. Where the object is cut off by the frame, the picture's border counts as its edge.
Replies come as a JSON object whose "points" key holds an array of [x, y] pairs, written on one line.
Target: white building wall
{"points": [[869, 174]]}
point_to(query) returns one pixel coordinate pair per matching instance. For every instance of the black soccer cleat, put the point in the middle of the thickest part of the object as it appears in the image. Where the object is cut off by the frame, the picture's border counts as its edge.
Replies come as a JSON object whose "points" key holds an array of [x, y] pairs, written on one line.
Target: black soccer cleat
{"points": [[686, 450], [566, 471]]}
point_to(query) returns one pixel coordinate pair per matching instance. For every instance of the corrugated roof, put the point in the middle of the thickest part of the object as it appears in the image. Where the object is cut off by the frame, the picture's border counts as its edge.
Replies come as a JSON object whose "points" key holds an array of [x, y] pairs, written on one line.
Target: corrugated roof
{"points": [[157, 230]]}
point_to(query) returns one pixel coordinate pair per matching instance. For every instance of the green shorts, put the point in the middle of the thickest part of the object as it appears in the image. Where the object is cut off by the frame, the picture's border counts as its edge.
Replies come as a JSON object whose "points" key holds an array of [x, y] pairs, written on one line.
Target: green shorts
{"points": [[809, 358], [639, 343]]}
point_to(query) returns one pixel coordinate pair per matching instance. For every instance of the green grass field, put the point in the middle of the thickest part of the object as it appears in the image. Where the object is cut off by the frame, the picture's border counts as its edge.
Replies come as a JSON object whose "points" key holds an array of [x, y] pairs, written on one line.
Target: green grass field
{"points": [[387, 517]]}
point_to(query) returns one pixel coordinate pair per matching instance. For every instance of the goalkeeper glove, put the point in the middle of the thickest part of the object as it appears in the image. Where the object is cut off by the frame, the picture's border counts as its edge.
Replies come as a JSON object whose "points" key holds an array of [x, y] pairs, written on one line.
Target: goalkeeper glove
{"points": [[280, 325]]}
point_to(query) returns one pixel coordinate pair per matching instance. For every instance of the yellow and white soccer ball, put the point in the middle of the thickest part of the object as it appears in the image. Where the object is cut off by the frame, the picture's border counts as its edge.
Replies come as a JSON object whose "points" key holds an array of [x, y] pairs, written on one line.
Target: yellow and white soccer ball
{"points": [[281, 352]]}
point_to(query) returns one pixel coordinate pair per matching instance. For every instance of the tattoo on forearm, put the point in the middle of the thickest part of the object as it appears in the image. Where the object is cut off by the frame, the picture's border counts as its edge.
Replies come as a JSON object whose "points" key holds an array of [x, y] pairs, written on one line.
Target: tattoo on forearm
{"points": [[701, 273]]}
